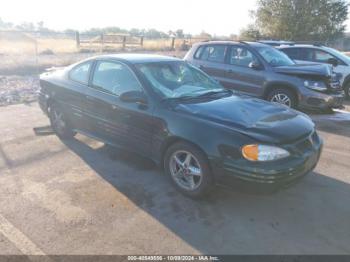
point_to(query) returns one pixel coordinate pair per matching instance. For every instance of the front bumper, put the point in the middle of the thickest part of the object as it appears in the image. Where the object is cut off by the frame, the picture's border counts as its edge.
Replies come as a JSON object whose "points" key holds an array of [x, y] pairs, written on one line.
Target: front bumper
{"points": [[317, 100], [262, 177]]}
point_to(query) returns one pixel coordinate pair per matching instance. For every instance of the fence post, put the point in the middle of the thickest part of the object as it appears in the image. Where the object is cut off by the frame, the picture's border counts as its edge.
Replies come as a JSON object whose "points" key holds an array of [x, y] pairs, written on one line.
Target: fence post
{"points": [[102, 42], [77, 39], [173, 43], [124, 42], [141, 41]]}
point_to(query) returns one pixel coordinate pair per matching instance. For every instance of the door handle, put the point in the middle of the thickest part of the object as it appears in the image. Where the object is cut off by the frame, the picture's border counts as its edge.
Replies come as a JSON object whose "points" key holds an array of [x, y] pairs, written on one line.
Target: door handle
{"points": [[229, 71], [114, 107]]}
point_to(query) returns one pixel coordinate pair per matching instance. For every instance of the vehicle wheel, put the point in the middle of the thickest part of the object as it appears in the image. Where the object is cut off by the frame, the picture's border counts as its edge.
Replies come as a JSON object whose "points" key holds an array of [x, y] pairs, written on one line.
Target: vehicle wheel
{"points": [[59, 123], [283, 96], [188, 169], [347, 90]]}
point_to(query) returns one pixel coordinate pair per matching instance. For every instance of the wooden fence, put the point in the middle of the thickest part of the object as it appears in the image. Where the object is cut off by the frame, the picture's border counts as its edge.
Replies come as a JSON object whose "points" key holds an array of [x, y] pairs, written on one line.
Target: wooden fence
{"points": [[12, 41], [125, 40]]}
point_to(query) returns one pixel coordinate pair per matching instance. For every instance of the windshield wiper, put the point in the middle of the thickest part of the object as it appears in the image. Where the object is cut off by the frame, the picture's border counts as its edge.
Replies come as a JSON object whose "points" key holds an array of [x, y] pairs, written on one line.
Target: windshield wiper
{"points": [[211, 93]]}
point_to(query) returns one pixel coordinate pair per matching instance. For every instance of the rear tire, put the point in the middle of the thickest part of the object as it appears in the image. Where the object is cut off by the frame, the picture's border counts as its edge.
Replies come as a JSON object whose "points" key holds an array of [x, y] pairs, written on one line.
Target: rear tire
{"points": [[283, 96], [188, 169], [59, 123], [347, 90]]}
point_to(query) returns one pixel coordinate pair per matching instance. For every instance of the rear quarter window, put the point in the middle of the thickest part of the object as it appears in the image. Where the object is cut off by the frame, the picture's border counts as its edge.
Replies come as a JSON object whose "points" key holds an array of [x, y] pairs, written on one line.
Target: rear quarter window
{"points": [[81, 73], [198, 53]]}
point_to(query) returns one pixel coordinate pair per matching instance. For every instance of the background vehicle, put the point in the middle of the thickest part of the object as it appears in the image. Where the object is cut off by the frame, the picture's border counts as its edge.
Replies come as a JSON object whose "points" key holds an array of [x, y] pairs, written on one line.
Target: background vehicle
{"points": [[325, 55], [167, 110], [262, 71]]}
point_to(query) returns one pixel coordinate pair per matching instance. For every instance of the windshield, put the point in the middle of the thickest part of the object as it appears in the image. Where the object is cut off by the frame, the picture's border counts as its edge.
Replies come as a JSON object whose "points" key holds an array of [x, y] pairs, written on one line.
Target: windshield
{"points": [[274, 57], [178, 79], [338, 54]]}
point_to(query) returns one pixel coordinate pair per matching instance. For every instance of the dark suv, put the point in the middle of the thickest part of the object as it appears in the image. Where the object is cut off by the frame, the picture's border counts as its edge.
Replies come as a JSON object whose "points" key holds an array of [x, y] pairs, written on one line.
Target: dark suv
{"points": [[263, 71]]}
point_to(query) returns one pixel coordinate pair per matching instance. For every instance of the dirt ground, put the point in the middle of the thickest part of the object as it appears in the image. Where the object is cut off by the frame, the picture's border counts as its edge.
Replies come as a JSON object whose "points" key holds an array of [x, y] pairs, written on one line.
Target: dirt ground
{"points": [[81, 197]]}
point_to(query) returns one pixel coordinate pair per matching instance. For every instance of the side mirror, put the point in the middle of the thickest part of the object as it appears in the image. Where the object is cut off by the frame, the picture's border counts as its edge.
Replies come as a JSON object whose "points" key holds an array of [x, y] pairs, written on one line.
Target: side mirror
{"points": [[255, 65], [333, 62], [134, 97]]}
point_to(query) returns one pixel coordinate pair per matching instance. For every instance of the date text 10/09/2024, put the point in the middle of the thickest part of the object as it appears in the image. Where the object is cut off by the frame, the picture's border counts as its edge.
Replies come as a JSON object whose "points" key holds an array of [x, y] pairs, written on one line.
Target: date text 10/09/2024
{"points": [[173, 258]]}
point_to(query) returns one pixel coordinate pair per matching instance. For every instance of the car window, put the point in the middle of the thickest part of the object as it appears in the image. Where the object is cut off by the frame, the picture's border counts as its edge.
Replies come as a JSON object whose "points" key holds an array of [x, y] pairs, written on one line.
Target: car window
{"points": [[241, 56], [199, 52], [293, 53], [214, 53], [80, 73], [274, 57], [322, 56], [178, 79], [307, 54], [114, 78]]}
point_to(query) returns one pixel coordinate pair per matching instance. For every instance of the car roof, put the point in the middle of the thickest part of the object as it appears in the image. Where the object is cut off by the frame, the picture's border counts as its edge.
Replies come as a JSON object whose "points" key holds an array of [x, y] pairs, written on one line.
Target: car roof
{"points": [[276, 42], [138, 58], [242, 43], [300, 46]]}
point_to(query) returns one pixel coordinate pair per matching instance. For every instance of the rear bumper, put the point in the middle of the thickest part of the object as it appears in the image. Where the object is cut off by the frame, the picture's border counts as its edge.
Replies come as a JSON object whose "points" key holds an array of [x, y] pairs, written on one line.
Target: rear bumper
{"points": [[43, 103]]}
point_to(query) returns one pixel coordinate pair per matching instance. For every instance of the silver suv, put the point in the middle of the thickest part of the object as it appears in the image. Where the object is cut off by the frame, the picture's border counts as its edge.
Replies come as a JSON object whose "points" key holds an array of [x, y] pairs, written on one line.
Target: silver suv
{"points": [[265, 72], [324, 55]]}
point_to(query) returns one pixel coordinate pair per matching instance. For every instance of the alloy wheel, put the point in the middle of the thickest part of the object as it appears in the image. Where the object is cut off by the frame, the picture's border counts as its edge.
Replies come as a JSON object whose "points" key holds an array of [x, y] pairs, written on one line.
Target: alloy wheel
{"points": [[185, 170], [282, 99]]}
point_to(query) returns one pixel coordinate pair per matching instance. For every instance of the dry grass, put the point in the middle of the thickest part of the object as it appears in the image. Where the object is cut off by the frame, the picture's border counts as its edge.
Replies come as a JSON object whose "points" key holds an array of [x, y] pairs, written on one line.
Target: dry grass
{"points": [[20, 43], [22, 53], [15, 43]]}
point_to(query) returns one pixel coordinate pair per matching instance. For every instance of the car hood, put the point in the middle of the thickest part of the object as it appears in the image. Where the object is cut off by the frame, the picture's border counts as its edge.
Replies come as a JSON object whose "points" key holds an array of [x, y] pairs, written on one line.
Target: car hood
{"points": [[317, 70], [261, 120]]}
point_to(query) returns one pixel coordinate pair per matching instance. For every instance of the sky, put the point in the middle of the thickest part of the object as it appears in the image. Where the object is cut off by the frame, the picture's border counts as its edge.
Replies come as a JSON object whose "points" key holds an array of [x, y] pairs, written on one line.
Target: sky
{"points": [[218, 17]]}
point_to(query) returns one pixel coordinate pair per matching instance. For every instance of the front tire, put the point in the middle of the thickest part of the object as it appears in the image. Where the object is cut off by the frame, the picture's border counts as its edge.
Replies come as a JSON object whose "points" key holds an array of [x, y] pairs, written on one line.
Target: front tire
{"points": [[283, 96], [59, 123], [188, 169]]}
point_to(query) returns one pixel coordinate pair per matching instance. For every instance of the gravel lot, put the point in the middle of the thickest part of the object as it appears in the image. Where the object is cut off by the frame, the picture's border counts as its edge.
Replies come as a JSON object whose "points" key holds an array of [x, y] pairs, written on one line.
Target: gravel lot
{"points": [[81, 197]]}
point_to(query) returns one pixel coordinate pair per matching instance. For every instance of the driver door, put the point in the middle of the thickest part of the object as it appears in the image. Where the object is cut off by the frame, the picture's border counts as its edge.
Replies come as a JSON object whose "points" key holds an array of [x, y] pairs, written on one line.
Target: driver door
{"points": [[240, 76], [117, 122]]}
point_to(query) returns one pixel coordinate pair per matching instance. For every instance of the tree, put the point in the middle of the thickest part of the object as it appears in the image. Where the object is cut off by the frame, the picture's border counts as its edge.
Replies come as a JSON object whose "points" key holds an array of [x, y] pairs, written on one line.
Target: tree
{"points": [[316, 20], [179, 33], [250, 33], [204, 34], [26, 26], [5, 25]]}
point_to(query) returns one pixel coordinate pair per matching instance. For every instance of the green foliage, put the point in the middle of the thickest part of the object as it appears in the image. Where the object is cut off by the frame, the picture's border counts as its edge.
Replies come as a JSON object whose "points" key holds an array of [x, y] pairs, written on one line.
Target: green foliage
{"points": [[250, 33], [148, 33], [179, 33], [204, 35], [316, 20], [5, 25]]}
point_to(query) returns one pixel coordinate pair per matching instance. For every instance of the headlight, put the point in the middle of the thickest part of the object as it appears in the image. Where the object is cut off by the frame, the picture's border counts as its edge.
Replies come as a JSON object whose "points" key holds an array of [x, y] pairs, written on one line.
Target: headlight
{"points": [[315, 85], [263, 152]]}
